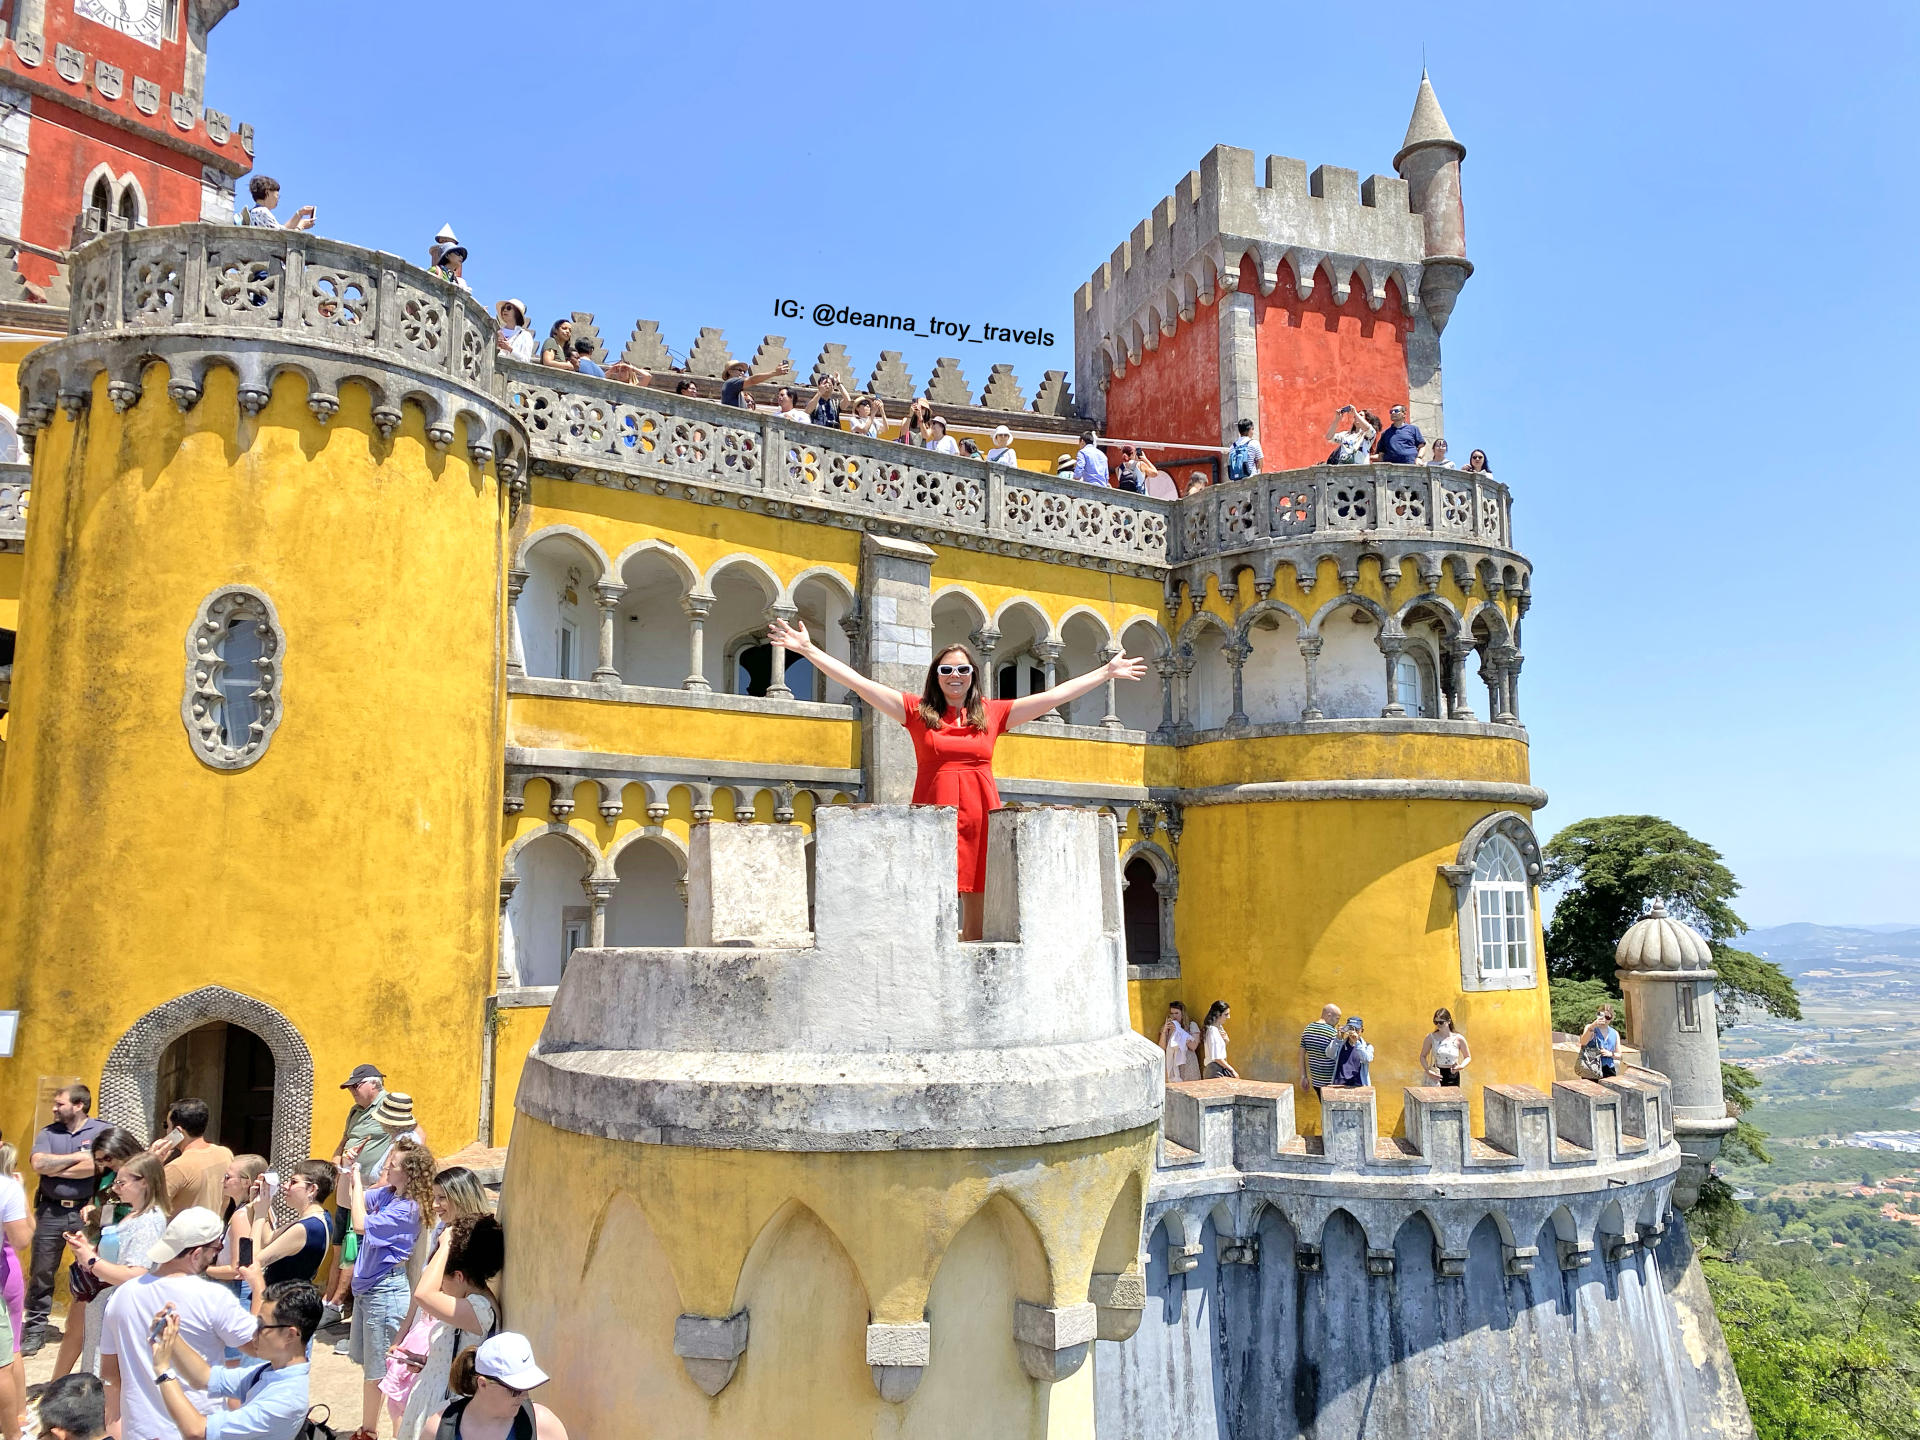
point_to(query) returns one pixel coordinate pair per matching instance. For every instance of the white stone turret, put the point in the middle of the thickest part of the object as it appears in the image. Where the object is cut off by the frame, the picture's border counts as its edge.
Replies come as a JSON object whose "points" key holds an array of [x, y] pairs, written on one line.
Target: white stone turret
{"points": [[1666, 972]]}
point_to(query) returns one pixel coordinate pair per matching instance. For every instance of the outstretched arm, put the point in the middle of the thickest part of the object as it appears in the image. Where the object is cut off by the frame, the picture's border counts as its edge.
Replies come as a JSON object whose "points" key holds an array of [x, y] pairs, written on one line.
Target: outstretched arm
{"points": [[792, 635], [1121, 667]]}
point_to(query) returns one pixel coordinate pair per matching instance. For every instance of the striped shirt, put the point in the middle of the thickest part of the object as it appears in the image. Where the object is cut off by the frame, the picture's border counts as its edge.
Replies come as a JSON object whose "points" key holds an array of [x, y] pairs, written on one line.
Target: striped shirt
{"points": [[1314, 1040]]}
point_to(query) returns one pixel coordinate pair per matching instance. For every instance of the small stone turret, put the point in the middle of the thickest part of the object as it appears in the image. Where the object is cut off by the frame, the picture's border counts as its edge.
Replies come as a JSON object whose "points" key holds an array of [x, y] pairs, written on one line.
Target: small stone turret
{"points": [[1429, 161], [1666, 972]]}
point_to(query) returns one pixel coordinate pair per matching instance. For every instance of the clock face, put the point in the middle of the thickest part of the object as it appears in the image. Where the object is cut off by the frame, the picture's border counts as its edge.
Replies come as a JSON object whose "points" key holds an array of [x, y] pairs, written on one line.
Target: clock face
{"points": [[141, 19]]}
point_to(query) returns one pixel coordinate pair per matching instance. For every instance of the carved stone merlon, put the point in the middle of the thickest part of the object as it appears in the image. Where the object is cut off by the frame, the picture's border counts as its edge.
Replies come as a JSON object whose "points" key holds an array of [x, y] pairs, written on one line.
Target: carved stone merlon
{"points": [[1121, 1300], [898, 1355], [747, 885], [1053, 1340], [710, 1348]]}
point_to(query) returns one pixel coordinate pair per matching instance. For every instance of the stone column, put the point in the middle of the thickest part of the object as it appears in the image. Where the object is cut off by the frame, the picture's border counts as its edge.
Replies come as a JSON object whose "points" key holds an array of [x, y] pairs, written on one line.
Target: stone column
{"points": [[1047, 652], [777, 688], [1500, 663], [698, 607], [1164, 667], [1239, 366], [1111, 719], [608, 597], [1310, 652], [1183, 668], [1237, 652], [853, 627], [598, 892], [1392, 647], [1457, 653], [503, 975], [1513, 685], [516, 653], [896, 596], [985, 641]]}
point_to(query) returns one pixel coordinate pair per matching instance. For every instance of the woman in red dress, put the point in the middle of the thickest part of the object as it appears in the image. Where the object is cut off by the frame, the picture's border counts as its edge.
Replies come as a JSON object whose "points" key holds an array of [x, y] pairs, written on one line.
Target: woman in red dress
{"points": [[954, 727]]}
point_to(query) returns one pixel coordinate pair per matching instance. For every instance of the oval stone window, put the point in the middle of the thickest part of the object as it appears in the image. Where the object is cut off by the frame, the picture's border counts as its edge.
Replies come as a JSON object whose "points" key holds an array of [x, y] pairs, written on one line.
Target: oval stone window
{"points": [[232, 701]]}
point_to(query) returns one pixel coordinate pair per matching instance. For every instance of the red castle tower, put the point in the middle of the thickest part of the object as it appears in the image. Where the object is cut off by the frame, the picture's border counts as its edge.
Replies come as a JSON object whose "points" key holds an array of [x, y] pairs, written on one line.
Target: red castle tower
{"points": [[1278, 302], [104, 125]]}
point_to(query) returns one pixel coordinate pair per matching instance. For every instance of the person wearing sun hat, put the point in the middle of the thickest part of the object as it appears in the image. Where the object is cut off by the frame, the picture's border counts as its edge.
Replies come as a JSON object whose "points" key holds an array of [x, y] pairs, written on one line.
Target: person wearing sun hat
{"points": [[394, 1113], [364, 1143], [500, 1407], [449, 257], [515, 338]]}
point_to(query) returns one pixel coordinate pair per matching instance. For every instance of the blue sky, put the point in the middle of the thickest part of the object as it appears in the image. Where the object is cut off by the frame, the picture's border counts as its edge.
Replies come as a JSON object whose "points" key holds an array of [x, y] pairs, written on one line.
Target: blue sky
{"points": [[1688, 345]]}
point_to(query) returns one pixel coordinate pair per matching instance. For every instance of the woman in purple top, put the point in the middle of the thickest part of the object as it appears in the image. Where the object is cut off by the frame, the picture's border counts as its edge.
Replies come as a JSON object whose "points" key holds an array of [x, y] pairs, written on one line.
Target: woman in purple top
{"points": [[388, 1220]]}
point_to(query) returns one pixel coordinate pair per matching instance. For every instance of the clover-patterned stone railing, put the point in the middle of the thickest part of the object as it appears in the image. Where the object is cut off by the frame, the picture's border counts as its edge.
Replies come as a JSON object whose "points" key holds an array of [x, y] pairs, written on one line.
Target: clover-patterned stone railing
{"points": [[1323, 501], [235, 277], [637, 437], [16, 484]]}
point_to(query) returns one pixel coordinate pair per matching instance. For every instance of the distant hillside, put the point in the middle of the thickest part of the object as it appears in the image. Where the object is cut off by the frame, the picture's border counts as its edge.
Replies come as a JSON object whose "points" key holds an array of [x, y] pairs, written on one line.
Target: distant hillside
{"points": [[1801, 947]]}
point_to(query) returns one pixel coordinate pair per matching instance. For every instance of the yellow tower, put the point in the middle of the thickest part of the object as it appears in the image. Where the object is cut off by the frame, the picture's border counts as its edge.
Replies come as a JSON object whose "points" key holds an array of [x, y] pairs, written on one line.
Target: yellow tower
{"points": [[854, 1180], [253, 774]]}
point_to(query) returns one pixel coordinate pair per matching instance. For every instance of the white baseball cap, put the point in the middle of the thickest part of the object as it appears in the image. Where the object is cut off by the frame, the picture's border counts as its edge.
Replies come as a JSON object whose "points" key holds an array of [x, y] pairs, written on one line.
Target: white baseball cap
{"points": [[508, 1358], [191, 1228]]}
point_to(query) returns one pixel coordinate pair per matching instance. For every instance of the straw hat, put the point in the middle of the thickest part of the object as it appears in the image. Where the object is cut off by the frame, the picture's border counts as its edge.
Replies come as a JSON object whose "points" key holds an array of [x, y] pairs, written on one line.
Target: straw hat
{"points": [[395, 1112]]}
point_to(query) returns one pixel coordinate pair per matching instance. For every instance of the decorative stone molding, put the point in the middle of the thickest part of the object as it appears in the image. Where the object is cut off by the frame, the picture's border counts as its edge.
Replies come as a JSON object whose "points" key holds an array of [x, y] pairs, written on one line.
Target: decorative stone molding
{"points": [[267, 303], [203, 703], [710, 1348], [1516, 829], [129, 1081], [1053, 1340], [1121, 1300], [898, 1356]]}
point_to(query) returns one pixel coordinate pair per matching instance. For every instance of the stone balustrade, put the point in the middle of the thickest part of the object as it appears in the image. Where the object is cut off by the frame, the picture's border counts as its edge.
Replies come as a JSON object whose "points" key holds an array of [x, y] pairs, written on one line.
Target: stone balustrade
{"points": [[16, 484]]}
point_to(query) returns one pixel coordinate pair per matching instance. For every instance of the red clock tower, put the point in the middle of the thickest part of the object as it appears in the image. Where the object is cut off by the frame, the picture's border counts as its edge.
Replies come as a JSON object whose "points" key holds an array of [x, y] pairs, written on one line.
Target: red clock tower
{"points": [[104, 122]]}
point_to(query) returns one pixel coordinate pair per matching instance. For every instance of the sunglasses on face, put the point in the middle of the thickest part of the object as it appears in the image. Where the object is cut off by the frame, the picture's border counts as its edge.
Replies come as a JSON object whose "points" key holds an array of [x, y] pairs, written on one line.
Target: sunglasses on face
{"points": [[956, 669]]}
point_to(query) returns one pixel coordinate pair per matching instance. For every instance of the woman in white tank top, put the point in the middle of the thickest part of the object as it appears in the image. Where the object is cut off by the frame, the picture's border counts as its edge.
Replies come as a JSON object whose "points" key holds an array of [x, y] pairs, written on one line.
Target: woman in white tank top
{"points": [[1445, 1053]]}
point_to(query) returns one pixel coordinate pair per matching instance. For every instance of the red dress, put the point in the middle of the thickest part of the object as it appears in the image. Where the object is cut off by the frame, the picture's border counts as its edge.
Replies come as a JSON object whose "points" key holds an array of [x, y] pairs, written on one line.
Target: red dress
{"points": [[956, 768]]}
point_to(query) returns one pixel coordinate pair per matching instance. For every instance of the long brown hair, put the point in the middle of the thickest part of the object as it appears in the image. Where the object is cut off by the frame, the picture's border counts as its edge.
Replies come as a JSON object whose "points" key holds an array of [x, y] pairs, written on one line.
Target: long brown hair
{"points": [[933, 700], [148, 1170]]}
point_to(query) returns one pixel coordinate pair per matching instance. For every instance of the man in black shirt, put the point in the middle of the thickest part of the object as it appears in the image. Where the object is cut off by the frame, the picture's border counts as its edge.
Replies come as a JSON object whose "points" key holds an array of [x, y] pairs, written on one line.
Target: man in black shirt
{"points": [[736, 382], [63, 1158]]}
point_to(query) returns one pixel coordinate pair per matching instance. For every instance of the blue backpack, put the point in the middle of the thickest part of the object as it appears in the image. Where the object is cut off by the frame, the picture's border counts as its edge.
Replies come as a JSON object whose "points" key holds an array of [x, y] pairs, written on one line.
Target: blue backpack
{"points": [[1240, 460]]}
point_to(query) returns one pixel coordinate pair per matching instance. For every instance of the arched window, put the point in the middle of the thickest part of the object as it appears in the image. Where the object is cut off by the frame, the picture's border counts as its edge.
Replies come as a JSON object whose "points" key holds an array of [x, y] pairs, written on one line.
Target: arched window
{"points": [[232, 701], [753, 672], [1149, 885], [100, 206], [1141, 906], [129, 209], [1407, 682], [1500, 907]]}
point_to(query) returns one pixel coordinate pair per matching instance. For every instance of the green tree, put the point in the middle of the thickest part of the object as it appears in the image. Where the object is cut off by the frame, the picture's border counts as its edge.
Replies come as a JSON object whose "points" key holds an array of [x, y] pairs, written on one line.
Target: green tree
{"points": [[1575, 1001], [1747, 1142], [1611, 867]]}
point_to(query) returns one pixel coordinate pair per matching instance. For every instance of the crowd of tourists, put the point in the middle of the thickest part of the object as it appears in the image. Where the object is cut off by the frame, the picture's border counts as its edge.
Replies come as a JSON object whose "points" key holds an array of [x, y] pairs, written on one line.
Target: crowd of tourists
{"points": [[195, 1280]]}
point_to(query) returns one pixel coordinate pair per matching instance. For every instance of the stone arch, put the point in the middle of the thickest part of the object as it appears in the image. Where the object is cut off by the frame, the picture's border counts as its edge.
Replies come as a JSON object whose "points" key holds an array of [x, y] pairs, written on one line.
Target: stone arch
{"points": [[823, 575], [1018, 663], [129, 1081], [658, 836], [595, 860], [1205, 699], [1159, 939], [1089, 613], [961, 595], [675, 557], [1387, 623], [744, 560], [573, 533]]}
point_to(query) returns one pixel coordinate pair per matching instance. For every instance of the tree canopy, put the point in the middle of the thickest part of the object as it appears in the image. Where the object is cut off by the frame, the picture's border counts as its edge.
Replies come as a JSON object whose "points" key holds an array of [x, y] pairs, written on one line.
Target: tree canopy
{"points": [[1611, 867]]}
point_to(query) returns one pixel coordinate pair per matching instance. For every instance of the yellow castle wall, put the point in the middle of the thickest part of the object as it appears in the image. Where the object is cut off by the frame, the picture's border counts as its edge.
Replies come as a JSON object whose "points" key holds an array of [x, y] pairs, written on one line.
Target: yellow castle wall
{"points": [[813, 1245], [348, 877]]}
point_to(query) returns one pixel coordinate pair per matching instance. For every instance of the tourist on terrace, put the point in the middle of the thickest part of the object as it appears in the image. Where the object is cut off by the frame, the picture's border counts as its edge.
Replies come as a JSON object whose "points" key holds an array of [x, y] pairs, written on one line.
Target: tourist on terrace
{"points": [[1179, 1038], [827, 398], [1126, 475], [1352, 1055], [786, 407], [1477, 464], [1090, 464], [455, 1293], [515, 337], [262, 1402], [1351, 435], [1400, 442], [913, 430], [938, 439], [686, 387], [1437, 455], [865, 421], [738, 378], [141, 1185], [970, 449], [1213, 1044], [450, 259], [388, 1220], [953, 726], [244, 1198], [557, 349], [1316, 1065], [364, 1143], [1444, 1052], [1002, 452], [73, 1407], [583, 360], [1244, 456], [62, 1157], [266, 199], [1600, 1045], [499, 1409]]}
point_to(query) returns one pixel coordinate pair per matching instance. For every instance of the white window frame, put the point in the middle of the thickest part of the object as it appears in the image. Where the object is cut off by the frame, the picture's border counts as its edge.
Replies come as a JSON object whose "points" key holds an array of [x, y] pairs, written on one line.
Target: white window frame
{"points": [[1517, 916], [566, 650]]}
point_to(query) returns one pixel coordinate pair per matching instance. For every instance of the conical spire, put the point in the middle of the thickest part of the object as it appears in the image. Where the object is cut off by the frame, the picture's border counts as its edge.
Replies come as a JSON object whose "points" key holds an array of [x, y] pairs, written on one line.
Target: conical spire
{"points": [[1428, 125]]}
